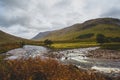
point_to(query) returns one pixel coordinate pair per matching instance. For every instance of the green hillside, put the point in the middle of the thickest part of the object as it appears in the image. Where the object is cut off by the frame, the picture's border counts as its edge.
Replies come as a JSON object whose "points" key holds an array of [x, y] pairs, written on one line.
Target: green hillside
{"points": [[7, 38], [87, 31]]}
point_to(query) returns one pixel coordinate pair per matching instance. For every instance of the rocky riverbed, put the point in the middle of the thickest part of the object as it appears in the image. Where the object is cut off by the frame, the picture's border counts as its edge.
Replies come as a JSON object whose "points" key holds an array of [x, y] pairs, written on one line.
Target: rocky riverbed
{"points": [[92, 58], [104, 54]]}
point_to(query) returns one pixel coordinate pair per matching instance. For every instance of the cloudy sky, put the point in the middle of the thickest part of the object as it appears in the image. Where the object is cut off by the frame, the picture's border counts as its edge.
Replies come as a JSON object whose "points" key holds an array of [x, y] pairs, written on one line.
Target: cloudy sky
{"points": [[26, 18]]}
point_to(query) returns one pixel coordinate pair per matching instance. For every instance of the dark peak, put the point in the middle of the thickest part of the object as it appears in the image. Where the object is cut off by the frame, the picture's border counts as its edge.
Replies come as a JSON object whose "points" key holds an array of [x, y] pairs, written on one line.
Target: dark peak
{"points": [[94, 22], [103, 20]]}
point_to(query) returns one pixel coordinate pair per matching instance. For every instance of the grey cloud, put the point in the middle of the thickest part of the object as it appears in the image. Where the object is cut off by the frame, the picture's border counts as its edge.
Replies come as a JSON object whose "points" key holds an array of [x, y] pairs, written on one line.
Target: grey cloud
{"points": [[19, 20], [63, 3], [26, 18], [14, 3], [114, 12]]}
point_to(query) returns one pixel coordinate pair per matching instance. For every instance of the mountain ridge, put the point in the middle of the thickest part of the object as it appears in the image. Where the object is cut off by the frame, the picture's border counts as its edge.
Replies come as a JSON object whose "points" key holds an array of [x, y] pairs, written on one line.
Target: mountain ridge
{"points": [[96, 26]]}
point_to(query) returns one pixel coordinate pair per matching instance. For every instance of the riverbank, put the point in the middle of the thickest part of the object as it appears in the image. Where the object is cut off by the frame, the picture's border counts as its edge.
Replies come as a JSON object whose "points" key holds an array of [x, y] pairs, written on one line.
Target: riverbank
{"points": [[4, 47], [104, 54]]}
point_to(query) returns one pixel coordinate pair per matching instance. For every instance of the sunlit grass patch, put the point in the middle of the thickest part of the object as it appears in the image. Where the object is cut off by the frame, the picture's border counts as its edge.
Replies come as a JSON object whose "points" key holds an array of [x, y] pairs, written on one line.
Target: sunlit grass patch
{"points": [[74, 45]]}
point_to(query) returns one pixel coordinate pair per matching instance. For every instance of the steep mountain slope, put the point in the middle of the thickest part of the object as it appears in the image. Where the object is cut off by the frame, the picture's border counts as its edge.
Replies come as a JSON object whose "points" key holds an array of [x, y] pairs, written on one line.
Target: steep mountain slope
{"points": [[88, 30], [7, 38]]}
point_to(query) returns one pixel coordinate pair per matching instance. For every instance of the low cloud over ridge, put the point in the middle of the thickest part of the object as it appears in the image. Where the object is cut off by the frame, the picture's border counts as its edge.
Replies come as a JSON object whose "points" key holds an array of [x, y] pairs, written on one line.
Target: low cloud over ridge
{"points": [[26, 18]]}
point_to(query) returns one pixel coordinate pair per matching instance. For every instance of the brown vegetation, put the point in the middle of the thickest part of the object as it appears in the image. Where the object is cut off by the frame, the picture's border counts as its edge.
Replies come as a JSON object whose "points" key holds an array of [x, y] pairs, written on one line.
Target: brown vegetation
{"points": [[39, 69], [4, 47]]}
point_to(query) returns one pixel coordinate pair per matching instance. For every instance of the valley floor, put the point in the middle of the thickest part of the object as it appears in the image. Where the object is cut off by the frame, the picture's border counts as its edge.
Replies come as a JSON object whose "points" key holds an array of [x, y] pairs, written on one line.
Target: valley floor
{"points": [[73, 45]]}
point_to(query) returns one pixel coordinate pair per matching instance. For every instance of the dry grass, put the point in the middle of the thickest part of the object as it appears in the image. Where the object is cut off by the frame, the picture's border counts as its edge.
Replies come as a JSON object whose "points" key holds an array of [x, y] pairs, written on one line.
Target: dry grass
{"points": [[47, 69], [8, 46], [4, 47]]}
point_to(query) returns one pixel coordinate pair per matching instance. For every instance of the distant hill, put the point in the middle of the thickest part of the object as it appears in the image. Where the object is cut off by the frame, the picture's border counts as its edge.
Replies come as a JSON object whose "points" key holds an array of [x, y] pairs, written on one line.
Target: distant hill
{"points": [[88, 30], [41, 35], [7, 38]]}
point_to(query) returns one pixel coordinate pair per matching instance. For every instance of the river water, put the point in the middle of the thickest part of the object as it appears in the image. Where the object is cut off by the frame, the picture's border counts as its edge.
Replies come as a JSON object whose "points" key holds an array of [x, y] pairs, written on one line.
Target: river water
{"points": [[74, 56], [26, 52]]}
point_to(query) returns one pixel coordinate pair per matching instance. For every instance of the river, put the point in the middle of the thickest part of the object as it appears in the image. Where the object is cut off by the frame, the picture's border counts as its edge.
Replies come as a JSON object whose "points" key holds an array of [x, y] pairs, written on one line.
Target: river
{"points": [[73, 56]]}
